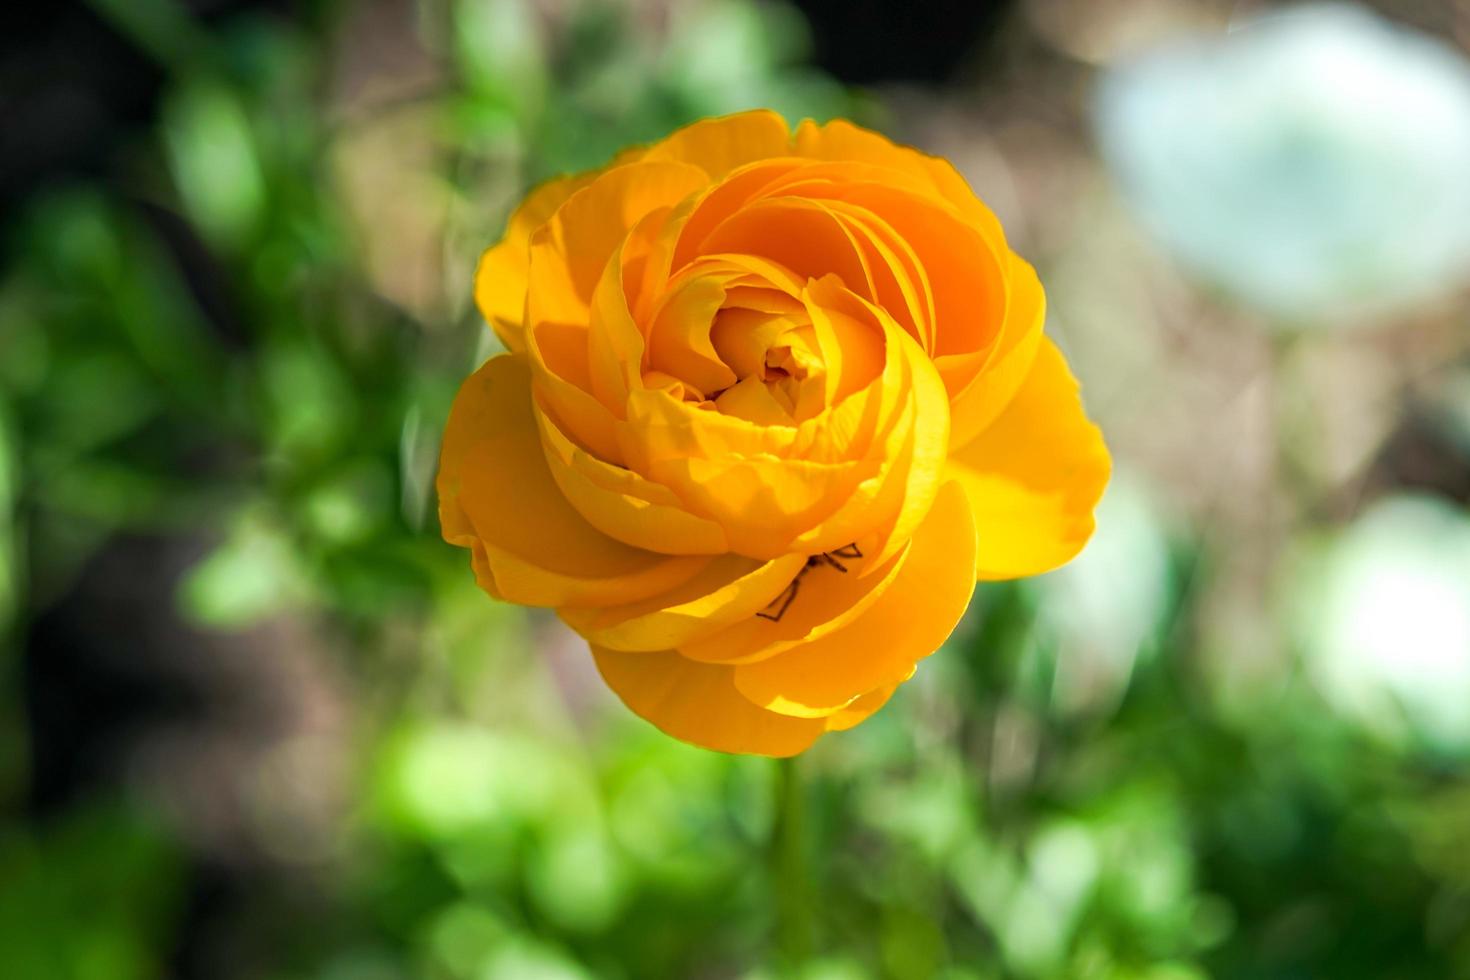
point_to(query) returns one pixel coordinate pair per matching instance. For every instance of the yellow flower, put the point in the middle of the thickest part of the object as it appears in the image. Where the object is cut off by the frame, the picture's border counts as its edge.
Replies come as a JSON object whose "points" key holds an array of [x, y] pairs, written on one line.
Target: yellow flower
{"points": [[773, 402]]}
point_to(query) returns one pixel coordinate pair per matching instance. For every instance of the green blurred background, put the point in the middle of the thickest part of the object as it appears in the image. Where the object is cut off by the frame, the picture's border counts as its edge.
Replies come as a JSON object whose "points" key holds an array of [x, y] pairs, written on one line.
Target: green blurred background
{"points": [[257, 722]]}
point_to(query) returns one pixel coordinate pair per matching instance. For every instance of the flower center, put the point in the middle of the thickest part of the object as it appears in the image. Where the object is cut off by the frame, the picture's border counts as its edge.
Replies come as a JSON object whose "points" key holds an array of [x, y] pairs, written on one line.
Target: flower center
{"points": [[738, 345]]}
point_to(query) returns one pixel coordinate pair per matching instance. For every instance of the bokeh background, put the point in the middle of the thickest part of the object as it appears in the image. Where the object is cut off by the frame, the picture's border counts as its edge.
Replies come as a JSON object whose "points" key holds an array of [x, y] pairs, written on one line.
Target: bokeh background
{"points": [[257, 723]]}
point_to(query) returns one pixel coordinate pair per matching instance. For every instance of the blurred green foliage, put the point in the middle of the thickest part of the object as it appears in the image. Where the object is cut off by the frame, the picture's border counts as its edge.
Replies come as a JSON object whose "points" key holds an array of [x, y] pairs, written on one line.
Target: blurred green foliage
{"points": [[251, 342]]}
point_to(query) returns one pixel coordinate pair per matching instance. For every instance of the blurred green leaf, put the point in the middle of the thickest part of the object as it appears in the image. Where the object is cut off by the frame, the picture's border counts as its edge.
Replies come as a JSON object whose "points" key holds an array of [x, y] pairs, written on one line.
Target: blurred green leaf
{"points": [[88, 899], [310, 401], [498, 49], [10, 555], [212, 155], [251, 575]]}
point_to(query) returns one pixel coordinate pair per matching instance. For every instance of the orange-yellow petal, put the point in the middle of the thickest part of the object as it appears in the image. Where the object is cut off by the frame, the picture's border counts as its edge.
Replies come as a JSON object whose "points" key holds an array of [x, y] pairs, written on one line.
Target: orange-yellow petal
{"points": [[965, 269], [1034, 475], [864, 707], [569, 252], [500, 278], [764, 503], [698, 703], [841, 140], [624, 505], [495, 490], [679, 337], [720, 145], [911, 619], [561, 378], [825, 599], [924, 468], [728, 590], [800, 235], [1006, 364]]}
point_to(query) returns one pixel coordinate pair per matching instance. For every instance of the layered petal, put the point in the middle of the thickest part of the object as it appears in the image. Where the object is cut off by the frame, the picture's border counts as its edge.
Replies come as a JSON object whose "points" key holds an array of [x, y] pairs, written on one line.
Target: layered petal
{"points": [[984, 389], [1034, 475], [826, 598], [722, 144], [698, 703], [863, 708], [841, 140], [500, 277], [729, 589], [570, 250], [909, 621], [625, 505], [497, 495]]}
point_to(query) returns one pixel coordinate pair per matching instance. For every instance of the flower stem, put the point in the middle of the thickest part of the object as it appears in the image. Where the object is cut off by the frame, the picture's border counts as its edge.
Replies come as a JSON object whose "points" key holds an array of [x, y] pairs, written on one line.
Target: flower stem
{"points": [[789, 867]]}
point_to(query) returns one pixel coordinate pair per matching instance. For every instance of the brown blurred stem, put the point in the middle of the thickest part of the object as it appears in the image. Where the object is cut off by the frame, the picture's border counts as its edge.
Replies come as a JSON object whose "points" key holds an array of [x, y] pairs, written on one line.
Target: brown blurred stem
{"points": [[789, 876]]}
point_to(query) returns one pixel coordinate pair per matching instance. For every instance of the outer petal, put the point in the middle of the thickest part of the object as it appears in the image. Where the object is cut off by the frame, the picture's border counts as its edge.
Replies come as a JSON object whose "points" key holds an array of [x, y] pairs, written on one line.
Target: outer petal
{"points": [[763, 504], [698, 703], [908, 622], [841, 140], [562, 381], [925, 469], [624, 505], [1034, 475], [495, 491], [966, 271], [826, 600], [1008, 362], [570, 251], [729, 589], [500, 279], [864, 707], [718, 146]]}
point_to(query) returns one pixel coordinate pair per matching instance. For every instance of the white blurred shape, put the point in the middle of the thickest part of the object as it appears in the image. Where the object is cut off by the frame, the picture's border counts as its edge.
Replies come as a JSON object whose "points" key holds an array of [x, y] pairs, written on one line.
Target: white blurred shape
{"points": [[1108, 603], [1315, 163], [1387, 622]]}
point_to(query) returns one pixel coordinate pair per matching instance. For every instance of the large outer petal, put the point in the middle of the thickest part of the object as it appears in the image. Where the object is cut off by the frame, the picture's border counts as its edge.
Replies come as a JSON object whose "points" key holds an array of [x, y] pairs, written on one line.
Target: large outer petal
{"points": [[497, 496], [729, 589], [720, 145], [500, 278], [826, 600], [570, 254], [501, 275], [1007, 362], [864, 707], [1034, 475], [625, 505], [698, 703], [966, 271], [841, 140], [909, 621], [571, 249]]}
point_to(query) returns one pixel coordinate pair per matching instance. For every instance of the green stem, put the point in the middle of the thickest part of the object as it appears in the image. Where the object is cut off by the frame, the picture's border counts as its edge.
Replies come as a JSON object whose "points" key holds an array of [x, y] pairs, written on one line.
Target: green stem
{"points": [[789, 872]]}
